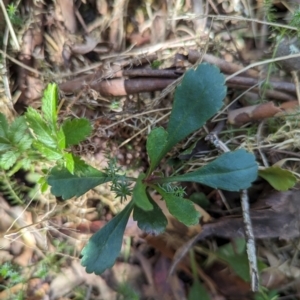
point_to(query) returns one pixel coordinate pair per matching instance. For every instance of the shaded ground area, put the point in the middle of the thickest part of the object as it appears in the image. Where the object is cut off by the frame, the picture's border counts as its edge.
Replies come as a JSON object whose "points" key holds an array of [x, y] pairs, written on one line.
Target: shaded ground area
{"points": [[117, 63]]}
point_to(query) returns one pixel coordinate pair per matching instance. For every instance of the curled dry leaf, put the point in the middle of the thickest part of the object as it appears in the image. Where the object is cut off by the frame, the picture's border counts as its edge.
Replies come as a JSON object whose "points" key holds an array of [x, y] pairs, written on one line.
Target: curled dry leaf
{"points": [[258, 112]]}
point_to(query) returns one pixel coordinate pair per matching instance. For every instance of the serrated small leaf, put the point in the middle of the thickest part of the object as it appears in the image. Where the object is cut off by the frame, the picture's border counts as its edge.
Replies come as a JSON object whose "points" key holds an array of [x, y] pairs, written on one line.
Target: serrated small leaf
{"points": [[25, 143], [5, 144], [69, 162], [104, 246], [182, 209], [8, 159], [61, 139], [17, 130], [152, 222], [140, 195], [199, 96], [66, 185], [40, 128], [76, 130], [156, 141], [49, 104], [3, 125], [278, 178], [47, 152], [232, 171]]}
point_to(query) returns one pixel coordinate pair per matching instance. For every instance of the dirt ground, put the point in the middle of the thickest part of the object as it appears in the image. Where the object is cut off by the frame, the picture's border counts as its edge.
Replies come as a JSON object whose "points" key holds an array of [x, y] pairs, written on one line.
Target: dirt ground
{"points": [[117, 63]]}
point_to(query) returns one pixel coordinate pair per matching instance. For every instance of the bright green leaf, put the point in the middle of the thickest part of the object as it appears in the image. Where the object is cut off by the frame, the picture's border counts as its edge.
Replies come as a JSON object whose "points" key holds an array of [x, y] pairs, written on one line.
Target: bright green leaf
{"points": [[3, 125], [156, 141], [69, 162], [49, 153], [140, 195], [151, 222], [17, 130], [278, 178], [76, 130], [182, 209], [199, 96], [66, 185], [61, 139], [49, 104], [232, 171], [40, 128], [8, 159], [104, 246], [25, 143]]}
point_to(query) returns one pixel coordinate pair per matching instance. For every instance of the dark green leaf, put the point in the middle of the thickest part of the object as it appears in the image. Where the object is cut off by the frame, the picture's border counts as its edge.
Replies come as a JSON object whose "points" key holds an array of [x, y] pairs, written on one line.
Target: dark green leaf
{"points": [[76, 130], [49, 153], [49, 104], [199, 96], [8, 159], [198, 289], [279, 179], [3, 125], [182, 209], [152, 222], [232, 171], [104, 246], [66, 185], [140, 196], [40, 128], [156, 141]]}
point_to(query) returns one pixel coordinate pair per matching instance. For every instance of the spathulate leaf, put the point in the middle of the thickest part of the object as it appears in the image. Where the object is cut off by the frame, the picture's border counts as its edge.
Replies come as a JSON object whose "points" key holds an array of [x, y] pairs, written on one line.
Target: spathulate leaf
{"points": [[66, 185], [3, 125], [104, 246], [232, 171], [182, 209], [156, 141], [151, 222], [49, 104], [76, 130], [47, 152], [40, 128], [140, 195], [8, 159], [199, 96], [278, 178]]}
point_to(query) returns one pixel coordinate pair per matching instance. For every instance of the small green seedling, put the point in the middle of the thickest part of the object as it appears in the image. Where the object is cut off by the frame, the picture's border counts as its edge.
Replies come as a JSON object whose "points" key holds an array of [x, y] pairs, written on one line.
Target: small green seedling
{"points": [[199, 96]]}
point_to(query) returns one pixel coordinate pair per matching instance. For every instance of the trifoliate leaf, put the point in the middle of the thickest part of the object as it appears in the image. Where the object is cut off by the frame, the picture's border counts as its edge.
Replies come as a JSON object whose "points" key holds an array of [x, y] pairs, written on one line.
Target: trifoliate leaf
{"points": [[140, 195], [182, 209], [199, 96], [40, 128], [232, 171], [49, 104], [3, 125], [8, 159], [104, 246], [151, 222], [66, 185], [49, 153], [76, 130], [156, 141], [278, 178]]}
